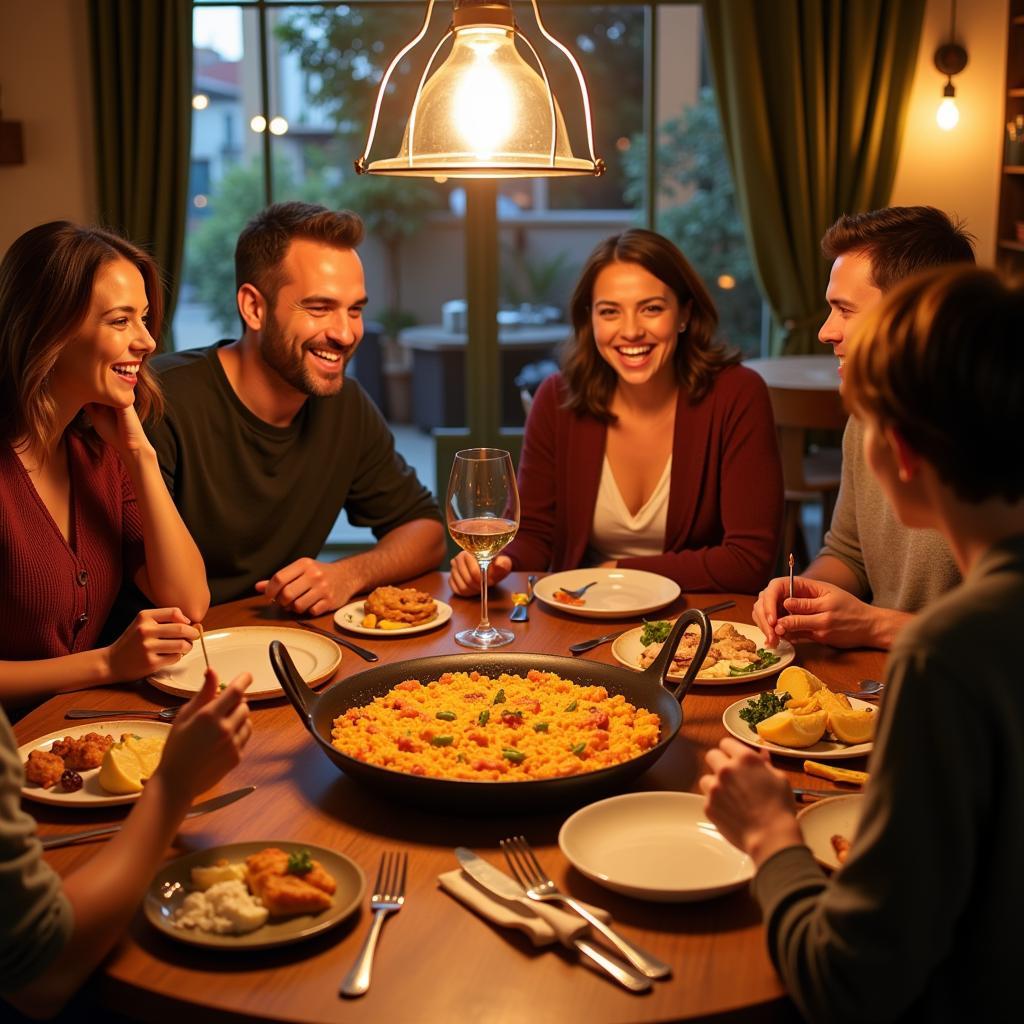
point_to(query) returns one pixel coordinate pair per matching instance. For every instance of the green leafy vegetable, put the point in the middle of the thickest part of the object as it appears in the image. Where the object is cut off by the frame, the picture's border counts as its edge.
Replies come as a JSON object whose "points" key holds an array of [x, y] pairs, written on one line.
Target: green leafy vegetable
{"points": [[765, 659], [540, 727], [571, 706], [513, 755], [499, 697], [578, 749], [483, 717], [655, 632], [300, 862], [763, 706]]}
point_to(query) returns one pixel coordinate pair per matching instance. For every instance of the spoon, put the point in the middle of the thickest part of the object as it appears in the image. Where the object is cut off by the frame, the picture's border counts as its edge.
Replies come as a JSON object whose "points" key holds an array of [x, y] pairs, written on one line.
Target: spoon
{"points": [[866, 688]]}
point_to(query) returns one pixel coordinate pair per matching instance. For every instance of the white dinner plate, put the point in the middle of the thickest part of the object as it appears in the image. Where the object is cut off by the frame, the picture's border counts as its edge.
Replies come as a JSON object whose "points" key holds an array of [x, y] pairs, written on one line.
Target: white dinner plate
{"points": [[92, 794], [247, 649], [654, 846], [820, 821], [627, 650], [351, 618], [175, 879], [824, 750], [618, 594]]}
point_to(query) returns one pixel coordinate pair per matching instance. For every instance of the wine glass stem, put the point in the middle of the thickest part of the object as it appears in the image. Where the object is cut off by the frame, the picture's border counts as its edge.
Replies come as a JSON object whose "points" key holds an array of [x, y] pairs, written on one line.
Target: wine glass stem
{"points": [[484, 621]]}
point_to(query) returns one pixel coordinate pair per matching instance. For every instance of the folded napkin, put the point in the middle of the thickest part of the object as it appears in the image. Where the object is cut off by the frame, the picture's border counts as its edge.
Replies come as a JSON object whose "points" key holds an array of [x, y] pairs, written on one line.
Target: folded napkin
{"points": [[543, 923]]}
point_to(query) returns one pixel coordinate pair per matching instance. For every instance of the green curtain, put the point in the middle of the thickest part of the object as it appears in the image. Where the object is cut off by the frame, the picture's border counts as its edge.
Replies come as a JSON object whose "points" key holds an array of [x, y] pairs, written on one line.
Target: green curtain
{"points": [[142, 87], [813, 97]]}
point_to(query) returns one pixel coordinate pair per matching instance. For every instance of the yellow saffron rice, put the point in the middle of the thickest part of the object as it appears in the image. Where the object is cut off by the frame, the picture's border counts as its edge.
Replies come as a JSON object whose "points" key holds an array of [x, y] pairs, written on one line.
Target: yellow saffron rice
{"points": [[508, 729]]}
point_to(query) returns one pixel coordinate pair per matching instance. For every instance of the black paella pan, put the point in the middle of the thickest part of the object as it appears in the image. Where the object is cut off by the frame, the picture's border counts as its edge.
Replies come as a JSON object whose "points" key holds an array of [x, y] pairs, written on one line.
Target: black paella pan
{"points": [[648, 689]]}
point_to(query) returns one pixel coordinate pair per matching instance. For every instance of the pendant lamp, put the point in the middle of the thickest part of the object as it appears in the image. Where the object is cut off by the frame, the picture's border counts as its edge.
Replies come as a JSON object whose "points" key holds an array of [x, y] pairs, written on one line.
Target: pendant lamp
{"points": [[484, 112]]}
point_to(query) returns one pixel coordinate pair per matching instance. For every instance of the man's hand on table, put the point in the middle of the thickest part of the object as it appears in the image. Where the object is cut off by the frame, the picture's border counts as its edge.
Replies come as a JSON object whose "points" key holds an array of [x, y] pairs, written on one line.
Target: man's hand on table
{"points": [[749, 801], [824, 613], [309, 587]]}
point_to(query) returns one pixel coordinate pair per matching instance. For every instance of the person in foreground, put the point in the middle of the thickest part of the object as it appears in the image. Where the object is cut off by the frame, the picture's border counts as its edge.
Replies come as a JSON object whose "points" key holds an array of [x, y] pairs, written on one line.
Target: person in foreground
{"points": [[83, 506], [652, 449], [872, 573], [55, 932], [922, 921], [262, 447]]}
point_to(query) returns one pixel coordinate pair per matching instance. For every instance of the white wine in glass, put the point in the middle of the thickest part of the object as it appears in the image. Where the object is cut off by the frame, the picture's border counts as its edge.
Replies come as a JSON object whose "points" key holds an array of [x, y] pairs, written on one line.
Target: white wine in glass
{"points": [[483, 516]]}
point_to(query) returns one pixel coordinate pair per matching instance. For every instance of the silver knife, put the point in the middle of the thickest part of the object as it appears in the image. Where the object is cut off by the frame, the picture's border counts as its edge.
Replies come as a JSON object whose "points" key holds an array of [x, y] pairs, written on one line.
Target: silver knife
{"points": [[213, 804], [494, 881], [340, 641]]}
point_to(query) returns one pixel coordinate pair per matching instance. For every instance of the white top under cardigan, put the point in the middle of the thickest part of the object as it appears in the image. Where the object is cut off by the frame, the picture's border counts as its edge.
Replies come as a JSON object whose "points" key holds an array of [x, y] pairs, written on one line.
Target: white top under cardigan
{"points": [[616, 533]]}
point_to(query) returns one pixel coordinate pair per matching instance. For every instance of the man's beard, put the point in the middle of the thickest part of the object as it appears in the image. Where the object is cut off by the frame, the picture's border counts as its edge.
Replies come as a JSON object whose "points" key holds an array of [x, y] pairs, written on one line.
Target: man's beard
{"points": [[289, 363]]}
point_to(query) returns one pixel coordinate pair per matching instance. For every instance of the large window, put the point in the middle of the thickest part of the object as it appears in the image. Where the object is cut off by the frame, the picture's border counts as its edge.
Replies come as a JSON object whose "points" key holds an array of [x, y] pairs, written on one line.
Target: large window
{"points": [[283, 93]]}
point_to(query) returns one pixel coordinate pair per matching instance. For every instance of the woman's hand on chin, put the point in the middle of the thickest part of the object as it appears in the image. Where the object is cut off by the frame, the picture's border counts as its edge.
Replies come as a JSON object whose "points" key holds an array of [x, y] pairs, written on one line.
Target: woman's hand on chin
{"points": [[121, 428]]}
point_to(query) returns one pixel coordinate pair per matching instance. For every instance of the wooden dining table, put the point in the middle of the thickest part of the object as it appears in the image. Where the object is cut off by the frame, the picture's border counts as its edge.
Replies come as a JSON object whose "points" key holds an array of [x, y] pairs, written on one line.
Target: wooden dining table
{"points": [[437, 961]]}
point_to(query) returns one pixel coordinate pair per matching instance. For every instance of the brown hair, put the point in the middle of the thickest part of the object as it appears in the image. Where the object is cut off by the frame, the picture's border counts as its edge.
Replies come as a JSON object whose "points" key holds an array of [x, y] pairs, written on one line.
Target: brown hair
{"points": [[899, 241], [940, 361], [263, 243], [46, 283], [590, 381]]}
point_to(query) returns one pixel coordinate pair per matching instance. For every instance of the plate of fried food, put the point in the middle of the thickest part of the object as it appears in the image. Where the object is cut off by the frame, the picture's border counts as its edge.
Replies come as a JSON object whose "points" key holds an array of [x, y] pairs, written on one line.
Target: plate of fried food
{"points": [[254, 895], [91, 766], [737, 652], [802, 717], [393, 611], [829, 827]]}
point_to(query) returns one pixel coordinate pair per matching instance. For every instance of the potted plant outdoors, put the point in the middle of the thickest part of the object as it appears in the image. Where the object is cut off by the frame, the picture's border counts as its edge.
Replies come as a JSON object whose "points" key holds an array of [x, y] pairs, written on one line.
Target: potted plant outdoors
{"points": [[393, 210], [531, 284]]}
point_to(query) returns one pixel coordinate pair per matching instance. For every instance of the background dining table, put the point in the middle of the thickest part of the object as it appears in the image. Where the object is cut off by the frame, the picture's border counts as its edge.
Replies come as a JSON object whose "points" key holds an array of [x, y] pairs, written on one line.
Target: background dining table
{"points": [[437, 961]]}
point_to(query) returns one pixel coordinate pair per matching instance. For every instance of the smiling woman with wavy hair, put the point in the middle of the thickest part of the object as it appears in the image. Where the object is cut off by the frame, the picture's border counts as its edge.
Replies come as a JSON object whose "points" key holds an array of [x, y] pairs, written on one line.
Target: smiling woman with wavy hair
{"points": [[652, 449], [80, 488]]}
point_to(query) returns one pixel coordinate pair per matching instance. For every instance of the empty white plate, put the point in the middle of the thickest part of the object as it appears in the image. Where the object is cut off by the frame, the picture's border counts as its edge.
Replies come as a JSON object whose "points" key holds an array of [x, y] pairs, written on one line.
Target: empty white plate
{"points": [[247, 649], [655, 846], [617, 593]]}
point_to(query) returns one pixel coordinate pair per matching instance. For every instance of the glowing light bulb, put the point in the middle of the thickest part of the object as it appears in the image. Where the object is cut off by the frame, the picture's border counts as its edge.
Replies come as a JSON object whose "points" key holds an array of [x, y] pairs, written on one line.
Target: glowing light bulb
{"points": [[484, 105], [947, 116], [200, 101], [278, 125], [258, 123]]}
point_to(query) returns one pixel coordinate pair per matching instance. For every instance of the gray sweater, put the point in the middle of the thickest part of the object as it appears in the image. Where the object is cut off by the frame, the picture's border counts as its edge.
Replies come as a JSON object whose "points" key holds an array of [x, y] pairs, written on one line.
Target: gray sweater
{"points": [[895, 567], [924, 920], [35, 915]]}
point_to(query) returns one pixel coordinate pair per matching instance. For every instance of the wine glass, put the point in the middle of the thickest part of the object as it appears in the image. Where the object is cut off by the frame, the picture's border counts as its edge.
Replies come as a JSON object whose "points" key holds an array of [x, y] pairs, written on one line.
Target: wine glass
{"points": [[483, 516]]}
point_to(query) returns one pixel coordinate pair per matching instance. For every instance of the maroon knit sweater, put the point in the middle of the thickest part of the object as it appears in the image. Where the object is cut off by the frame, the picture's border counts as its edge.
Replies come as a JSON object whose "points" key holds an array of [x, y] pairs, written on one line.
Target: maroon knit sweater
{"points": [[725, 492], [55, 595]]}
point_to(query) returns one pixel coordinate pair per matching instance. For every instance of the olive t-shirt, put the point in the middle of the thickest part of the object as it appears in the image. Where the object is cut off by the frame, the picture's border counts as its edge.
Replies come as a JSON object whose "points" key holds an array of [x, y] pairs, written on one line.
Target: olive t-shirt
{"points": [[256, 497]]}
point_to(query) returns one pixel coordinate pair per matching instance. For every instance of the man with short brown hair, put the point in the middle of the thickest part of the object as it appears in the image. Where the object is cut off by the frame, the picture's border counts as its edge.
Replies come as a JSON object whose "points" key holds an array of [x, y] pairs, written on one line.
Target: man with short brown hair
{"points": [[872, 572], [262, 445]]}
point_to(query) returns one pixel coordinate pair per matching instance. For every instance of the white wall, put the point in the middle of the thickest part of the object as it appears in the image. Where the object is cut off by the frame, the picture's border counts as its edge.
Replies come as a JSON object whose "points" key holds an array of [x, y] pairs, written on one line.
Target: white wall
{"points": [[958, 171], [45, 83]]}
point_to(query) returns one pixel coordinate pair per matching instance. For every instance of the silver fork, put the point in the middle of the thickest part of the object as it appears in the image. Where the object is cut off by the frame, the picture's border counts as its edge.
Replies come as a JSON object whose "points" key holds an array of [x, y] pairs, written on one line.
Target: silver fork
{"points": [[388, 895], [521, 612], [531, 876], [164, 714], [579, 591]]}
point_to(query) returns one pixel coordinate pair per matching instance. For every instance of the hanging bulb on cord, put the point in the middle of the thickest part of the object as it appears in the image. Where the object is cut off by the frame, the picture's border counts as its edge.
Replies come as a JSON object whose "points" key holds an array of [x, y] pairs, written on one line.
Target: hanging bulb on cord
{"points": [[948, 114]]}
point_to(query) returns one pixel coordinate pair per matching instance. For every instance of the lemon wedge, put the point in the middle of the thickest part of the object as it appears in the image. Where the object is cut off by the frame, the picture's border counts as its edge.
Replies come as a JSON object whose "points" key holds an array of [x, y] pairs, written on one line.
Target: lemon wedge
{"points": [[789, 730], [126, 765], [800, 684], [851, 726]]}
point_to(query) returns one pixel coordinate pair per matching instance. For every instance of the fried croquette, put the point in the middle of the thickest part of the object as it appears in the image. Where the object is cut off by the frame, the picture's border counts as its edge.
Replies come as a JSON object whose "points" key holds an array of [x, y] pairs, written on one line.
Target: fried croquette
{"points": [[44, 768], [85, 752], [401, 604]]}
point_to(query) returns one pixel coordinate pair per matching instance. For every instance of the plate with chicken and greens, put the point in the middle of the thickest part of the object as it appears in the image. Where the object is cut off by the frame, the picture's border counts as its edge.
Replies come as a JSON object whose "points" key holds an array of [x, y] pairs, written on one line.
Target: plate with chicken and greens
{"points": [[737, 652]]}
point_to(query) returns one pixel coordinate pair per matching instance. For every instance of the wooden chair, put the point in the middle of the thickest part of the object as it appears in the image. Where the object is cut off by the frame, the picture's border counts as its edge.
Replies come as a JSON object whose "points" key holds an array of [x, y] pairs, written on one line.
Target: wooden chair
{"points": [[808, 474]]}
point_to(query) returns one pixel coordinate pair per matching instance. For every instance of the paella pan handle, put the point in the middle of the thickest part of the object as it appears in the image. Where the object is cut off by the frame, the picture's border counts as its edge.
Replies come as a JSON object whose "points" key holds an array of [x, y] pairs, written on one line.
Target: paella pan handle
{"points": [[659, 668], [293, 684]]}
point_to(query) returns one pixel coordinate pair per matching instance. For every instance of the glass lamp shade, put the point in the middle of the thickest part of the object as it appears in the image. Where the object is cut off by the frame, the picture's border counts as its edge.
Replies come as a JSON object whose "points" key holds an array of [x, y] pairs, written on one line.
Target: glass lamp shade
{"points": [[484, 113]]}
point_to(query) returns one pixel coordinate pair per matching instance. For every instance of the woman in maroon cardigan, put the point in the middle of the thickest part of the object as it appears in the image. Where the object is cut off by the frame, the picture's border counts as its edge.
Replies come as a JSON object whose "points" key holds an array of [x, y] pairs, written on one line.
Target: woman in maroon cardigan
{"points": [[83, 505], [653, 449]]}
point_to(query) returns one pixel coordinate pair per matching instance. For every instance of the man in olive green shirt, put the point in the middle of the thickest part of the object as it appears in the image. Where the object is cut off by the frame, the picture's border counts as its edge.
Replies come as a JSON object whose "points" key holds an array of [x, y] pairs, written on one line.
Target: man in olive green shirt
{"points": [[262, 446]]}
